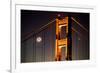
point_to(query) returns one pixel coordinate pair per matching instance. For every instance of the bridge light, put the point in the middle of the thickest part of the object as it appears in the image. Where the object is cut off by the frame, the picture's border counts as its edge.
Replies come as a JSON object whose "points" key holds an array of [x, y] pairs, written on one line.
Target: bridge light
{"points": [[59, 15], [38, 39]]}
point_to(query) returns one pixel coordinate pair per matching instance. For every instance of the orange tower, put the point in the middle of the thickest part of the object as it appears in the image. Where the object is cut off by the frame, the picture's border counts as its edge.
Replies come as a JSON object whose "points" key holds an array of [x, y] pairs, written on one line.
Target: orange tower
{"points": [[65, 42]]}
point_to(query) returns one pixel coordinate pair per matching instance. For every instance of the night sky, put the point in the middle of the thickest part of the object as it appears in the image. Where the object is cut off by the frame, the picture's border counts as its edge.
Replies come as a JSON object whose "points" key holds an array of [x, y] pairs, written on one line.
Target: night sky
{"points": [[32, 20]]}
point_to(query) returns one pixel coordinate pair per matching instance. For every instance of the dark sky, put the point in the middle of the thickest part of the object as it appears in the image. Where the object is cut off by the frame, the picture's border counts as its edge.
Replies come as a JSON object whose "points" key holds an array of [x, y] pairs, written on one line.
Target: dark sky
{"points": [[32, 20]]}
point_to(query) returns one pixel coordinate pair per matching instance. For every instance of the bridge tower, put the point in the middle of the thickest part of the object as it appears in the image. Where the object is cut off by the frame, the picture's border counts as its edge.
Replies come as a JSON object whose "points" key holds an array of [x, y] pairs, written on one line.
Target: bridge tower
{"points": [[65, 42]]}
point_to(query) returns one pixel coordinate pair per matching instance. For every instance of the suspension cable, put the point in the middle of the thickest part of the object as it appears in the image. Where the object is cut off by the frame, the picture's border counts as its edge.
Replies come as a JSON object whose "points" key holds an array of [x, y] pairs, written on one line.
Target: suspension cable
{"points": [[79, 23]]}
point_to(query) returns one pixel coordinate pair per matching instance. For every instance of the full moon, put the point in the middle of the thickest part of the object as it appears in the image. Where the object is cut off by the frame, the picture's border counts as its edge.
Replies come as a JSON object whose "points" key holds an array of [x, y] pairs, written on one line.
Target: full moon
{"points": [[38, 39]]}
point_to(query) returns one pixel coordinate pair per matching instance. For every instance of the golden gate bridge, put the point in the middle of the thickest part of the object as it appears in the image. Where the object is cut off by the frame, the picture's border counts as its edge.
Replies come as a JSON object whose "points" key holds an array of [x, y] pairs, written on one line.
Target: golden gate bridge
{"points": [[59, 42]]}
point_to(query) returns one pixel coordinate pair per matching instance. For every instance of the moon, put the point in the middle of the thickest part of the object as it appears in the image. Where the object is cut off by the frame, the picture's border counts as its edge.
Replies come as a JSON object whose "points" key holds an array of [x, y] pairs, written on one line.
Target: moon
{"points": [[38, 39]]}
